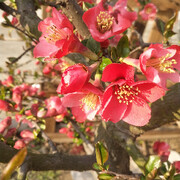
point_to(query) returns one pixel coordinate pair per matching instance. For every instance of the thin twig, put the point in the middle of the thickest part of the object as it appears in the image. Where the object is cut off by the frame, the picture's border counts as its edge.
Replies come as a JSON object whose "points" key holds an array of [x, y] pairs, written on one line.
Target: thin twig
{"points": [[8, 9], [77, 129], [44, 135], [19, 57], [22, 31], [122, 176]]}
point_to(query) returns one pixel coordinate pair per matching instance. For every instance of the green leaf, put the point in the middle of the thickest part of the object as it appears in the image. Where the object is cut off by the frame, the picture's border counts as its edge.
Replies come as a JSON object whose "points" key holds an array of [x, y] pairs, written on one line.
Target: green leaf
{"points": [[153, 162], [101, 153], [97, 167], [168, 34], [15, 162], [93, 45], [114, 55], [170, 23], [11, 59], [105, 176], [177, 177], [88, 5], [104, 63], [142, 178], [123, 47], [160, 25]]}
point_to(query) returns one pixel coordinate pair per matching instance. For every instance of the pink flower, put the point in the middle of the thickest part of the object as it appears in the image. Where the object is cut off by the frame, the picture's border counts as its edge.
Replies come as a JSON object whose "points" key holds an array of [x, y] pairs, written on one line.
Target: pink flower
{"points": [[4, 105], [4, 124], [57, 38], [125, 99], [149, 12], [63, 130], [8, 82], [19, 118], [85, 103], [11, 132], [47, 69], [159, 64], [177, 166], [17, 95], [105, 21], [26, 134], [73, 79], [54, 106], [162, 149], [19, 144]]}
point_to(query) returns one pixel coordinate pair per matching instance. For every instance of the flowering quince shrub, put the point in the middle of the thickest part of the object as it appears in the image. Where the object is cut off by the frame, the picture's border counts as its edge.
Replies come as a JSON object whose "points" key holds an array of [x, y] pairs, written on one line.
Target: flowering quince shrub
{"points": [[88, 80]]}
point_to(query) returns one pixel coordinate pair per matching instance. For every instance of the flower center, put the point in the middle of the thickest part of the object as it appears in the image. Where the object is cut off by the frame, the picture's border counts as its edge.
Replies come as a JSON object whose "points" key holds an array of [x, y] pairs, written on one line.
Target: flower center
{"points": [[54, 34], [148, 10], [104, 21], [162, 64], [90, 100], [126, 94]]}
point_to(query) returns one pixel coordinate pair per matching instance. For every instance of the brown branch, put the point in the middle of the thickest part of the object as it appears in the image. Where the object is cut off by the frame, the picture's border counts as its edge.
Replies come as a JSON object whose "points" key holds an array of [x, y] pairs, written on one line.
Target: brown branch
{"points": [[73, 11], [8, 9], [46, 138], [19, 57], [45, 162], [28, 17]]}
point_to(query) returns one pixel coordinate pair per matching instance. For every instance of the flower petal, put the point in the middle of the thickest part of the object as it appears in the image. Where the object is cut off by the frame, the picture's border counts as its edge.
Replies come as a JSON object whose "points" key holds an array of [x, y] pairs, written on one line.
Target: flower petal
{"points": [[112, 110], [72, 99], [138, 113], [116, 71], [149, 90]]}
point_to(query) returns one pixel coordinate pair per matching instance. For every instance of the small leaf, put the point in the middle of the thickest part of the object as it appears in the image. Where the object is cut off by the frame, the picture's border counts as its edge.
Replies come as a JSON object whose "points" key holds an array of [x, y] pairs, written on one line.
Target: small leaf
{"points": [[93, 45], [170, 23], [11, 59], [15, 162], [168, 34], [152, 174], [114, 55], [104, 63], [153, 162], [97, 167], [101, 153], [177, 177], [88, 5], [105, 176], [160, 25], [123, 47]]}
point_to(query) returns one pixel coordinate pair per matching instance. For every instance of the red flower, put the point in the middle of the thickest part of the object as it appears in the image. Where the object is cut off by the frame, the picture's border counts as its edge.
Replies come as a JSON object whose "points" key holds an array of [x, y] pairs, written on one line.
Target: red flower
{"points": [[57, 38], [177, 166], [8, 82], [73, 79], [125, 99], [159, 64], [85, 103], [4, 105], [54, 106], [4, 124], [162, 149], [104, 21], [19, 144], [149, 12]]}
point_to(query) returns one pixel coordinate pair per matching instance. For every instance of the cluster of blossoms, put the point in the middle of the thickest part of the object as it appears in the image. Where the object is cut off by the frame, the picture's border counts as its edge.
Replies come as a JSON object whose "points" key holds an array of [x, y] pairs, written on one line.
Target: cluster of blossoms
{"points": [[162, 149], [124, 98]]}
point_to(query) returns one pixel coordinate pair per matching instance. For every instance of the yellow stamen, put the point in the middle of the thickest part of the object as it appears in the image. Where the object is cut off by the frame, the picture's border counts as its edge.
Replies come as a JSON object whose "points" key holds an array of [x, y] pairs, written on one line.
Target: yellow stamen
{"points": [[104, 21], [162, 64]]}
